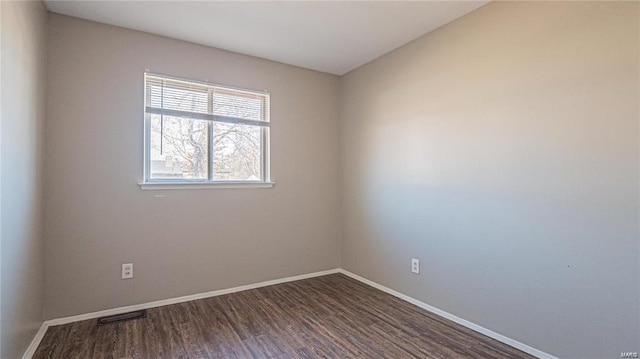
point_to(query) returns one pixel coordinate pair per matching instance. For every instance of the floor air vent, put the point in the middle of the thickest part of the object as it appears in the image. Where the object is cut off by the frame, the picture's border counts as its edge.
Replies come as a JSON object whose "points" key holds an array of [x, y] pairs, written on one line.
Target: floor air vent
{"points": [[138, 314]]}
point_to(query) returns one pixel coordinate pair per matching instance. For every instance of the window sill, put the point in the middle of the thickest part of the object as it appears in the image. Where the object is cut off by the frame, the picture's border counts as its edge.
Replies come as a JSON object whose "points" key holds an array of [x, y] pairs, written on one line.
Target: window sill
{"points": [[161, 186]]}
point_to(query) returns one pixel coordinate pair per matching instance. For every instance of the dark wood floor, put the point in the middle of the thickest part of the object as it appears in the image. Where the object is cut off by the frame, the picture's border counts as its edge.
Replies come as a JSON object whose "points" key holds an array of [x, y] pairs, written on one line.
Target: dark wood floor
{"points": [[325, 317]]}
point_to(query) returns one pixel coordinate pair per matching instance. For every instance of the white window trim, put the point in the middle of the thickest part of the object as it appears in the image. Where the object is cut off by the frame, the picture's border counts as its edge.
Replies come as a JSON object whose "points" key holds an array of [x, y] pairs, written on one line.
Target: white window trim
{"points": [[162, 186], [170, 184]]}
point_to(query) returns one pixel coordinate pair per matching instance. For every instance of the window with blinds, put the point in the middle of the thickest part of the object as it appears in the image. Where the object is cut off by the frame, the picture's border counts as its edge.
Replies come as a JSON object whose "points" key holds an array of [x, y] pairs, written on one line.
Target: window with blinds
{"points": [[204, 133]]}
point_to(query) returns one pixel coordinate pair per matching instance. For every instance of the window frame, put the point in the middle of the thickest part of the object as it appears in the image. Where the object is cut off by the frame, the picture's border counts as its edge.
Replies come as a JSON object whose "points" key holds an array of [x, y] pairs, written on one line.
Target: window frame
{"points": [[149, 183]]}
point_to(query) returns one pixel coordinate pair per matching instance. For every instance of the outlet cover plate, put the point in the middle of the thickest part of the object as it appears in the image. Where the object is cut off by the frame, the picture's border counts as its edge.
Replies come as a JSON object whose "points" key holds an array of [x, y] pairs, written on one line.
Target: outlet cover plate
{"points": [[127, 271], [415, 265]]}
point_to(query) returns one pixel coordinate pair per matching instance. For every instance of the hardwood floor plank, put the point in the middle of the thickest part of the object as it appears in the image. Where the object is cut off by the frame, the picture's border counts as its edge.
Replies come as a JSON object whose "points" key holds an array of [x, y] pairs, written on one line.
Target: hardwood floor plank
{"points": [[53, 342], [332, 316]]}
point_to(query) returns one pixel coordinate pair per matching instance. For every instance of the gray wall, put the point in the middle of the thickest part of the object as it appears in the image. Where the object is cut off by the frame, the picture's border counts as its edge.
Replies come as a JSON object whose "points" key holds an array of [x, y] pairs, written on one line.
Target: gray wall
{"points": [[191, 241], [22, 112], [502, 151]]}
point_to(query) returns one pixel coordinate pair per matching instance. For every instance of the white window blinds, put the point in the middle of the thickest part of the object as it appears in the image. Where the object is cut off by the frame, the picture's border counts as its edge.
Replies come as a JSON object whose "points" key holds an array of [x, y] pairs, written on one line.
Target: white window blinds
{"points": [[172, 97]]}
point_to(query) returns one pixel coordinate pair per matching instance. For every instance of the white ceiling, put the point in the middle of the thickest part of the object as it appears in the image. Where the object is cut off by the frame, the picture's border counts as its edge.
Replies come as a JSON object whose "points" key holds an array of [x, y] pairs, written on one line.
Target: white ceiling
{"points": [[329, 36]]}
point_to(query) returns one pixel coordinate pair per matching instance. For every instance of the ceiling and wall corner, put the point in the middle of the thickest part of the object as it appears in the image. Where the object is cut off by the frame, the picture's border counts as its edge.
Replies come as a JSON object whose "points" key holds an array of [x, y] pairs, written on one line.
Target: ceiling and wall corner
{"points": [[328, 36]]}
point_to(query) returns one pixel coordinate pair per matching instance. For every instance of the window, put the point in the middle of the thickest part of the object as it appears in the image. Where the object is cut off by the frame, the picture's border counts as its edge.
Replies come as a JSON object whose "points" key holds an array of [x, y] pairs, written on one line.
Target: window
{"points": [[202, 133]]}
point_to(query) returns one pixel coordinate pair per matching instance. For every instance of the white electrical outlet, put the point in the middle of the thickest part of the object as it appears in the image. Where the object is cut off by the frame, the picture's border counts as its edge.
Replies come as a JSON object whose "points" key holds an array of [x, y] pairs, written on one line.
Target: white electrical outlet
{"points": [[127, 271], [415, 265]]}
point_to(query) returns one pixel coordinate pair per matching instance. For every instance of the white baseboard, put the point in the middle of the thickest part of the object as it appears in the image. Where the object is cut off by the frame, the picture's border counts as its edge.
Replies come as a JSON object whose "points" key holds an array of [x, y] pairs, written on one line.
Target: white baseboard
{"points": [[186, 298], [76, 318], [465, 323], [35, 342]]}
